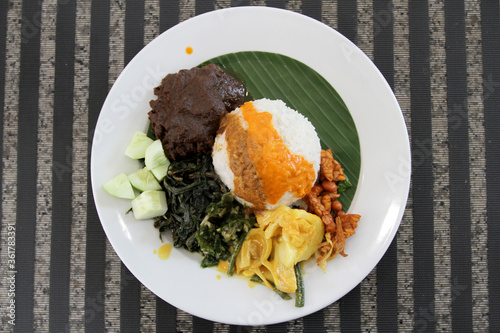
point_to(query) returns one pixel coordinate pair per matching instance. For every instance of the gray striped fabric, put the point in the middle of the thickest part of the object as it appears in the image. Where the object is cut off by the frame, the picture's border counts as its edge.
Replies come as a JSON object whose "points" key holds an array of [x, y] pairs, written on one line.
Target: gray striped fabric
{"points": [[58, 60]]}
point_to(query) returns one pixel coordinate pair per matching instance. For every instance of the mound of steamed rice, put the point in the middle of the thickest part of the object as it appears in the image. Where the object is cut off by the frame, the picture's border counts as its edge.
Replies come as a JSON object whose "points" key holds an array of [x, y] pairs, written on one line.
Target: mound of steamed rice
{"points": [[297, 133]]}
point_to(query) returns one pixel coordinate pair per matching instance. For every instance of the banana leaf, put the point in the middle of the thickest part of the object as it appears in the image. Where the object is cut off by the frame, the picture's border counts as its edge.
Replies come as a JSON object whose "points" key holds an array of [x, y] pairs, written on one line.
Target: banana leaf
{"points": [[275, 76]]}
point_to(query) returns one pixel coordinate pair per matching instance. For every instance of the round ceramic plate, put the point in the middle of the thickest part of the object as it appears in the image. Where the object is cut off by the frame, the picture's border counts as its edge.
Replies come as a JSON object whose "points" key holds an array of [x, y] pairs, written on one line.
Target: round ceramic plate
{"points": [[380, 197]]}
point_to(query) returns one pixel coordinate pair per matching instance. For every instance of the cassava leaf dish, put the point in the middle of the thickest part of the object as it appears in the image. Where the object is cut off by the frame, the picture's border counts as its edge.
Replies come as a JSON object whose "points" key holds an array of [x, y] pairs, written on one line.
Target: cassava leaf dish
{"points": [[275, 76], [202, 215]]}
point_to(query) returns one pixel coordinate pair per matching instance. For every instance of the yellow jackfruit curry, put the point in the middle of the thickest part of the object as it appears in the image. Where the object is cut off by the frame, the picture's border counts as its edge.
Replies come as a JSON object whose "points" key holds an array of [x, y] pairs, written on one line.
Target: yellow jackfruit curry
{"points": [[284, 237]]}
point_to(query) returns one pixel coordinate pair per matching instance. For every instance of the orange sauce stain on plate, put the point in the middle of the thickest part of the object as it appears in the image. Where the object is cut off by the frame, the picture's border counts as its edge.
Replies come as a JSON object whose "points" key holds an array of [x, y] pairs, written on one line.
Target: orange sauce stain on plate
{"points": [[223, 266], [164, 251], [189, 50]]}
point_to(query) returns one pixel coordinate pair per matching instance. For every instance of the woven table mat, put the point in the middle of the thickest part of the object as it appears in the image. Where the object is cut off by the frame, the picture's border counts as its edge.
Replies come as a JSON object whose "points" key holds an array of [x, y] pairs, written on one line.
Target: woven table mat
{"points": [[58, 60]]}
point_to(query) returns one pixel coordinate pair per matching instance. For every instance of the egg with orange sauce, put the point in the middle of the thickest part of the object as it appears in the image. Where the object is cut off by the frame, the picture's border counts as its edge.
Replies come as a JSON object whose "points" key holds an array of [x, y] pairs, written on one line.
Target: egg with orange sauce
{"points": [[267, 154]]}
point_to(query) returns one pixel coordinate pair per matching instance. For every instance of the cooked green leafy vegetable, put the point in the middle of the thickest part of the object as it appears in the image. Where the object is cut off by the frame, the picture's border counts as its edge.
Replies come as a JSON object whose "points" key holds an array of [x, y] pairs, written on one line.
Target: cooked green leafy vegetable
{"points": [[343, 185], [220, 229], [202, 214], [232, 259]]}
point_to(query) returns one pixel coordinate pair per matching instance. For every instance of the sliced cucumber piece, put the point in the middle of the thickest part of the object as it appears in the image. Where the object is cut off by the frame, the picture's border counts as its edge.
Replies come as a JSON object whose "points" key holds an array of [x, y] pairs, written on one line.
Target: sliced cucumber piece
{"points": [[156, 161], [149, 204], [160, 172], [143, 180], [120, 187], [136, 149]]}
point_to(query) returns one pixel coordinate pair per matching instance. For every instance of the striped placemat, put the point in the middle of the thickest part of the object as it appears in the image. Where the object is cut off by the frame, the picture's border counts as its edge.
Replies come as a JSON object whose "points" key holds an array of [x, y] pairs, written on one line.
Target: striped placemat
{"points": [[58, 60]]}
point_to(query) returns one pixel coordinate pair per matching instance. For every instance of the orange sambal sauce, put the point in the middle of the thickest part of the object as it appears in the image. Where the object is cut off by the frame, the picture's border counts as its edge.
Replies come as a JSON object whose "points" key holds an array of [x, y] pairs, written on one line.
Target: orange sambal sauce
{"points": [[278, 170]]}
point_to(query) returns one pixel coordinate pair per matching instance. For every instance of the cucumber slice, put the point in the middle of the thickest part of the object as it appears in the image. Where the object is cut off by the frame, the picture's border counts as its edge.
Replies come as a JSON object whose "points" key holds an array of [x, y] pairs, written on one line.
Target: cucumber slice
{"points": [[160, 172], [120, 187], [156, 161], [136, 149], [149, 204], [143, 180]]}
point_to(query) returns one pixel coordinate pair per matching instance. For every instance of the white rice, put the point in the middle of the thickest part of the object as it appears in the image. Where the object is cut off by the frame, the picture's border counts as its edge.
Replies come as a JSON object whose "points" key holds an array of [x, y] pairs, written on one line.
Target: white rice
{"points": [[298, 135]]}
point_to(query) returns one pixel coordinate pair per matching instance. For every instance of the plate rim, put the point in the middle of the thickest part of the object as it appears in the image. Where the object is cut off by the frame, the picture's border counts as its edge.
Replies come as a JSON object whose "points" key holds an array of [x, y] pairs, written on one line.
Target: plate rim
{"points": [[218, 12]]}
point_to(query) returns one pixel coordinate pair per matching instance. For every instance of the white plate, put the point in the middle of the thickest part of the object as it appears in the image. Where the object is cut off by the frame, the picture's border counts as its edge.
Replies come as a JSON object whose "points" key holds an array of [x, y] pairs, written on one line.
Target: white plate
{"points": [[382, 190]]}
